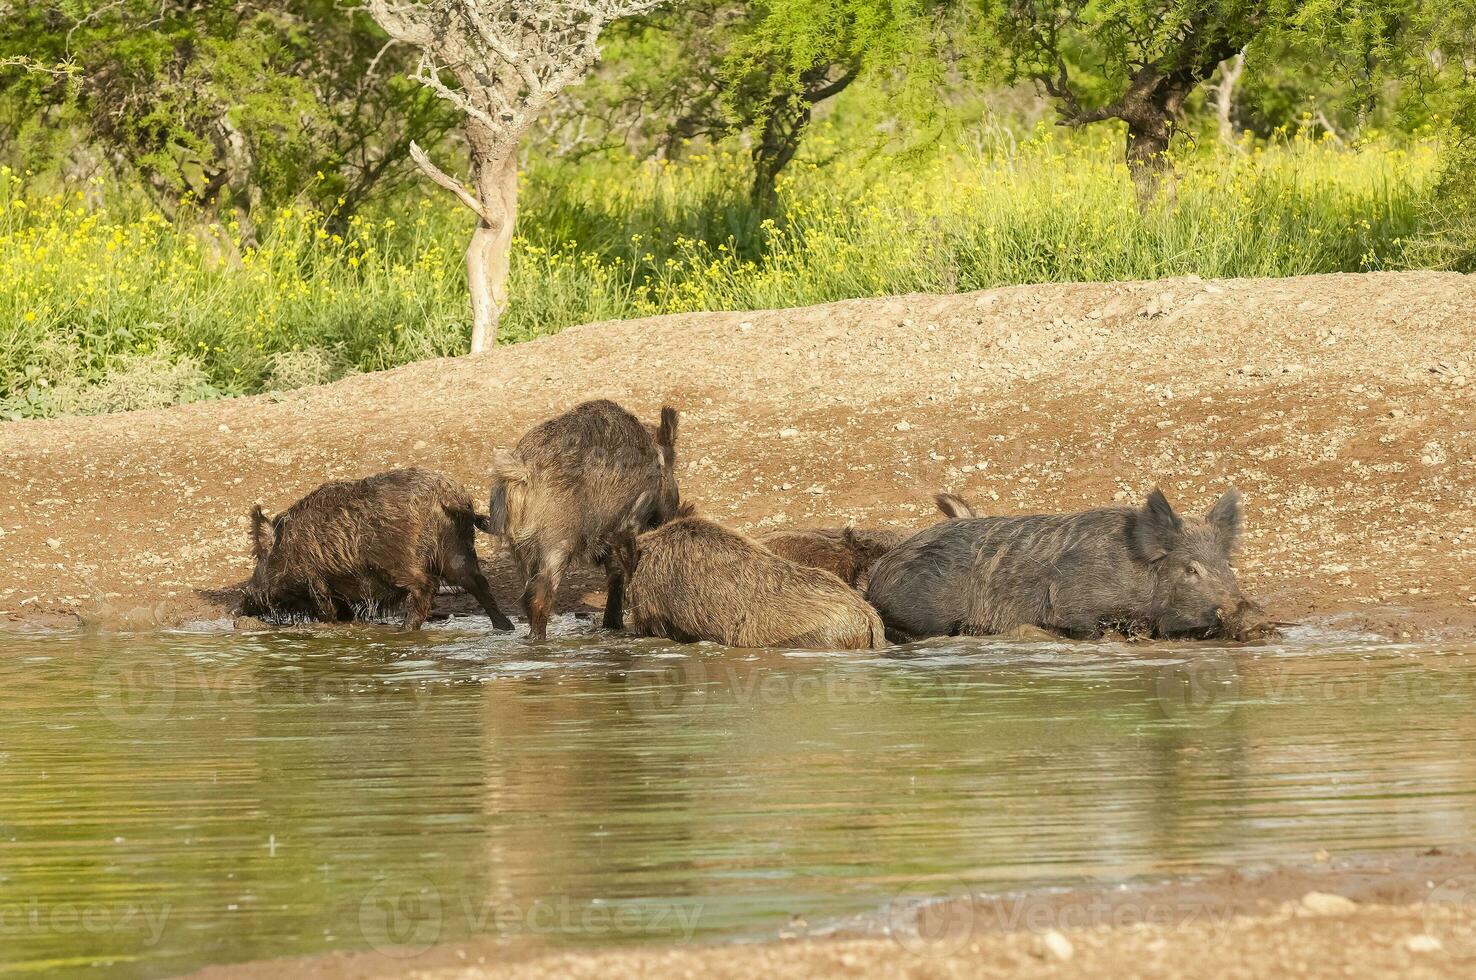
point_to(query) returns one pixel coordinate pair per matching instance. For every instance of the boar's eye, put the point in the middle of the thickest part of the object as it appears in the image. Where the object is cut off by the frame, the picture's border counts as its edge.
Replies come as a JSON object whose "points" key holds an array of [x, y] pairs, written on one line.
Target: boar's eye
{"points": [[1195, 570]]}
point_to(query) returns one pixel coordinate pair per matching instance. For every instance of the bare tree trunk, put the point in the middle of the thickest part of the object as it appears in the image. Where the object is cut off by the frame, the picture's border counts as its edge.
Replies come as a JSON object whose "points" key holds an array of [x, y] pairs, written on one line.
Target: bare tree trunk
{"points": [[489, 254], [1230, 72], [495, 204]]}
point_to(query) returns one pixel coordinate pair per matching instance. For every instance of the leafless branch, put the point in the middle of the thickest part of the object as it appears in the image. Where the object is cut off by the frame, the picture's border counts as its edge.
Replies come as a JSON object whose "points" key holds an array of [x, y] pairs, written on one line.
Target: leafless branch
{"points": [[451, 184]]}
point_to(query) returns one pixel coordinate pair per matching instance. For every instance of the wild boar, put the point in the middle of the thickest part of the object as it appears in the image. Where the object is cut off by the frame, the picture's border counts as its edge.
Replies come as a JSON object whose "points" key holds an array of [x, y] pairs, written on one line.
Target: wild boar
{"points": [[1142, 571], [696, 580], [368, 543], [566, 490], [847, 552]]}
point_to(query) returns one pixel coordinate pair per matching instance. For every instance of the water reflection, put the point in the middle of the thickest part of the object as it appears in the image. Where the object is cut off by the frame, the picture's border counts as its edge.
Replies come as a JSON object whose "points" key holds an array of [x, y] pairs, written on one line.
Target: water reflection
{"points": [[172, 800]]}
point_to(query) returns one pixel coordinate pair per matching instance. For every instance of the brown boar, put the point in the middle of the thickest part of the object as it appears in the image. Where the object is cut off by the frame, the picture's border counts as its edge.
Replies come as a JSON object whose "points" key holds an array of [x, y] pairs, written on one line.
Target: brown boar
{"points": [[847, 552], [566, 490], [368, 544], [696, 580], [1144, 571]]}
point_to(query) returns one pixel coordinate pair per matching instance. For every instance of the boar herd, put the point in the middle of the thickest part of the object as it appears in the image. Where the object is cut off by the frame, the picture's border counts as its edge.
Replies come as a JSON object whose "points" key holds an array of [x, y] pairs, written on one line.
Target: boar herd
{"points": [[597, 486]]}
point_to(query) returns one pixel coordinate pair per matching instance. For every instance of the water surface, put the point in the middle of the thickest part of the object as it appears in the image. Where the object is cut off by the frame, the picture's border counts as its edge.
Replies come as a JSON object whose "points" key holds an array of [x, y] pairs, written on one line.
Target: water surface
{"points": [[179, 799]]}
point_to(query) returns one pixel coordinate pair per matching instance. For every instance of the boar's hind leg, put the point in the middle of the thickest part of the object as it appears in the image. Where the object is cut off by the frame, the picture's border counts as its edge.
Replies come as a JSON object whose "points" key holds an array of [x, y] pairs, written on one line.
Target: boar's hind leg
{"points": [[463, 572], [538, 597]]}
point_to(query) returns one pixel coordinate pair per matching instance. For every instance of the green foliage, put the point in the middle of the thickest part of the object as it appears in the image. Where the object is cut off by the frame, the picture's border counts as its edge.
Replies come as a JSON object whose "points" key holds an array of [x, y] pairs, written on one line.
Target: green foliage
{"points": [[715, 68], [123, 308], [1140, 60], [225, 103]]}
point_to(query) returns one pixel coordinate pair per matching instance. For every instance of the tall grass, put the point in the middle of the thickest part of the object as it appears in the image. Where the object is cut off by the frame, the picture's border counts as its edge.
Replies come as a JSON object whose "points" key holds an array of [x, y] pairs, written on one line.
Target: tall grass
{"points": [[109, 306]]}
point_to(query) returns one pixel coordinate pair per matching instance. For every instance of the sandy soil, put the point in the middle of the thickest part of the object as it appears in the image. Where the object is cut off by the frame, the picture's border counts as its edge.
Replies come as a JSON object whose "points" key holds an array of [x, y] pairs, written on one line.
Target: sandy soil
{"points": [[1342, 406], [1329, 917]]}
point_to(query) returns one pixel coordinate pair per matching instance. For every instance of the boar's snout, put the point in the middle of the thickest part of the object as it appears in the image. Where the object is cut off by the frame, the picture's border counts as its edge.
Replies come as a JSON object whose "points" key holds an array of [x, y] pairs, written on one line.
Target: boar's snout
{"points": [[1247, 621]]}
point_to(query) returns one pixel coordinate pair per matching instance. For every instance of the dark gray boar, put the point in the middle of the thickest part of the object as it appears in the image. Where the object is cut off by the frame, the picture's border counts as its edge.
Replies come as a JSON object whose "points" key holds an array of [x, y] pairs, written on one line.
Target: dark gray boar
{"points": [[368, 543], [696, 580], [566, 490], [1141, 571], [847, 552]]}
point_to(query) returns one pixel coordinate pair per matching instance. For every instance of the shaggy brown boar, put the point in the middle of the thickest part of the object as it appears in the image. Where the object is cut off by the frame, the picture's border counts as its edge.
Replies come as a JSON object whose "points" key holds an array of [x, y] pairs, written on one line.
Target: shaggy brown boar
{"points": [[368, 543], [1143, 571], [847, 552], [566, 490], [696, 580]]}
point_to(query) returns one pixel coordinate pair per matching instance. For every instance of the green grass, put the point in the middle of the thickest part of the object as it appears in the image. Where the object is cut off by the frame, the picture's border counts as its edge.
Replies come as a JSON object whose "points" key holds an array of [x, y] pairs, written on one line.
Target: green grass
{"points": [[111, 307]]}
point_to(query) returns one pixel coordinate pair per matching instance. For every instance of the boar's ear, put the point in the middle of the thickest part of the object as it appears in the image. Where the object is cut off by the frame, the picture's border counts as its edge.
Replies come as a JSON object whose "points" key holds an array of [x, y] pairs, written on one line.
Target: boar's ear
{"points": [[1224, 518], [1156, 528], [954, 507], [262, 533]]}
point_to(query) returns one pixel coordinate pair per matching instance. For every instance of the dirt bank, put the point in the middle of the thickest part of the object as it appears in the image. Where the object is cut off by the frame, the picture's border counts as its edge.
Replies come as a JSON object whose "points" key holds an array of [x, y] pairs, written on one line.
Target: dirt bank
{"points": [[1342, 405], [1400, 914]]}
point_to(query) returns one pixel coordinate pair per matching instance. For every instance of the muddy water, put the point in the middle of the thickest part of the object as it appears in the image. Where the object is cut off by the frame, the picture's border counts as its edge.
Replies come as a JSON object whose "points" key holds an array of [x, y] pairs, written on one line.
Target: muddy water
{"points": [[174, 800]]}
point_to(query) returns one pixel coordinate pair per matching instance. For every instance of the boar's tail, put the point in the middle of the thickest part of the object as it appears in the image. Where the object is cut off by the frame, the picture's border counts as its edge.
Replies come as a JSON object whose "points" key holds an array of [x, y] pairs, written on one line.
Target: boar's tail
{"points": [[954, 507], [666, 434], [509, 481], [468, 514]]}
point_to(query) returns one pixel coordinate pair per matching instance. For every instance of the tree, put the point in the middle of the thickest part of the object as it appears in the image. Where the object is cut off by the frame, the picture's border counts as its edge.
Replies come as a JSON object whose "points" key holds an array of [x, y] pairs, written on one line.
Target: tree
{"points": [[506, 61], [1137, 61], [229, 103], [1224, 91], [712, 69]]}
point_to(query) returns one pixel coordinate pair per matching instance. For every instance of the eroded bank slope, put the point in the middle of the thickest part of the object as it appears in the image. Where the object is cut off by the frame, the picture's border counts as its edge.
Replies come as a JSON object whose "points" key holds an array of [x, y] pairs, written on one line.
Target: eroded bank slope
{"points": [[1342, 405]]}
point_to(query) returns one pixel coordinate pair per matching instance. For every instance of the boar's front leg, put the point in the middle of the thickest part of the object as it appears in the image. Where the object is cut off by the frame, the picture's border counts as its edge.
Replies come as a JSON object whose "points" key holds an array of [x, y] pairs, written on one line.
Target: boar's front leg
{"points": [[328, 608], [418, 603]]}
